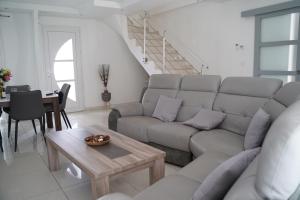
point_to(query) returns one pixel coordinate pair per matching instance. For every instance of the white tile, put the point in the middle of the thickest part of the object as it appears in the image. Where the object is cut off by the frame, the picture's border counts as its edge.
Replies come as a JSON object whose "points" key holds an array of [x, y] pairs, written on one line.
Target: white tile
{"points": [[80, 191], [69, 175], [56, 195]]}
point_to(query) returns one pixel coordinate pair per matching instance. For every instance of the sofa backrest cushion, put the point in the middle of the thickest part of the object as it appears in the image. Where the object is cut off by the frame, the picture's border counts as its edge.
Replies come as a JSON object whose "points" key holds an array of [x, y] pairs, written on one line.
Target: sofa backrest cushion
{"points": [[282, 99], [159, 84], [197, 91], [278, 174], [244, 187], [241, 97]]}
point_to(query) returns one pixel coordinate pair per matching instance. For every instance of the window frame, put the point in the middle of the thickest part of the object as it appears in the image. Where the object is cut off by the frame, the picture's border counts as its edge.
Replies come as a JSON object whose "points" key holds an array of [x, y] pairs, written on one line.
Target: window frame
{"points": [[259, 44]]}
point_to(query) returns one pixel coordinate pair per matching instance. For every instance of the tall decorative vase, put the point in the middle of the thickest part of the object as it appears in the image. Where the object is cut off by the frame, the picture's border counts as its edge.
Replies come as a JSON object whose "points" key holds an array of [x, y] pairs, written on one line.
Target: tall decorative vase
{"points": [[106, 96]]}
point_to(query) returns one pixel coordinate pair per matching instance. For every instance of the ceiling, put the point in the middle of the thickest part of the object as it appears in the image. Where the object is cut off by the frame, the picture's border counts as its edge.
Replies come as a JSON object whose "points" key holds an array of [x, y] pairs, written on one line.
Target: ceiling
{"points": [[87, 8]]}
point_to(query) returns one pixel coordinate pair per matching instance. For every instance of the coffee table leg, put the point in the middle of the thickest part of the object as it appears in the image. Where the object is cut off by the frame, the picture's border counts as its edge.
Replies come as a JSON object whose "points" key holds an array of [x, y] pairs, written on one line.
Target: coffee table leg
{"points": [[157, 171], [53, 157], [100, 187]]}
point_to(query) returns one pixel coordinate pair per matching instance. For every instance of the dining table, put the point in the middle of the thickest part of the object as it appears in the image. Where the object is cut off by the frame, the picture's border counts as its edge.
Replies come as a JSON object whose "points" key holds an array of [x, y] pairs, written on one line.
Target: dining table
{"points": [[49, 99]]}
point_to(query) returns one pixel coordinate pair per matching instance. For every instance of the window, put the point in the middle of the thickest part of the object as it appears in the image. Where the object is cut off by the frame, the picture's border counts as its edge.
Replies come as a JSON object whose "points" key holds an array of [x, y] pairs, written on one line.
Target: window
{"points": [[277, 52], [64, 67]]}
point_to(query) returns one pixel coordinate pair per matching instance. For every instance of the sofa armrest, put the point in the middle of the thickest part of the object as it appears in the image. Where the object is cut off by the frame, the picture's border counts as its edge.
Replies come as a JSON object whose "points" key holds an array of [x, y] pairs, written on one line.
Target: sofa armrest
{"points": [[123, 110], [130, 109], [116, 196]]}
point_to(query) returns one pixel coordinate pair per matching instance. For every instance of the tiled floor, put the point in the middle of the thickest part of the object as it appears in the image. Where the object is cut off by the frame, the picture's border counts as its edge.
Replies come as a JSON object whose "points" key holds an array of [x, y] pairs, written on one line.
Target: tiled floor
{"points": [[25, 176]]}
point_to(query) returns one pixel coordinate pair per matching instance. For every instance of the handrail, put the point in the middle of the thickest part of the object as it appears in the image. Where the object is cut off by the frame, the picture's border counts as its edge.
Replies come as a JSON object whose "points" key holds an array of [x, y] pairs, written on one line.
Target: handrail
{"points": [[164, 52]]}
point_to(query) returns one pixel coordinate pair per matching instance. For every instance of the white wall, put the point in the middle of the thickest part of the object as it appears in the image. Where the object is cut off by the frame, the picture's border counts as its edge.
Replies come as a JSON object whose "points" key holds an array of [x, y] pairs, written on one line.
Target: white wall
{"points": [[16, 35], [99, 44], [211, 29]]}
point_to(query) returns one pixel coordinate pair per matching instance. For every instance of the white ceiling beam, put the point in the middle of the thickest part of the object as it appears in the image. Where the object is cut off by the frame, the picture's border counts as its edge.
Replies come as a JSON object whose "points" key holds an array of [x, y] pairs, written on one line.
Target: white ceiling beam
{"points": [[39, 7], [107, 4], [172, 6]]}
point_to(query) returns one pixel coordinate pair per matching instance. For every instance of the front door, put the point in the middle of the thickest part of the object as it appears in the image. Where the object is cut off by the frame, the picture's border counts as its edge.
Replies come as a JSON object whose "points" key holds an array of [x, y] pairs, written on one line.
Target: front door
{"points": [[63, 63]]}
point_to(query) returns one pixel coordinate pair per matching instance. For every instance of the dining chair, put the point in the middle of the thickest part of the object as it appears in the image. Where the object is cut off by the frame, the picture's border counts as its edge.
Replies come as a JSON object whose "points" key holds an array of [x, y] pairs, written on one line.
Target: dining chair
{"points": [[62, 97], [1, 147], [15, 88], [26, 106]]}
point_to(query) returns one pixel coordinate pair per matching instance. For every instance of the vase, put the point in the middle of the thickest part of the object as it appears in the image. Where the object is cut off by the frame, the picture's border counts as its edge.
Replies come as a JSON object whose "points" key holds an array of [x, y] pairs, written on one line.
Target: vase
{"points": [[106, 96]]}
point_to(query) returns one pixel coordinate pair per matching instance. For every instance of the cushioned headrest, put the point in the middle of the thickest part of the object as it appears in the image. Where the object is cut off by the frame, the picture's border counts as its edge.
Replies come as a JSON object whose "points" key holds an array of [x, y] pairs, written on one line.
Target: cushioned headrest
{"points": [[203, 83], [278, 173], [164, 81], [251, 86], [288, 94]]}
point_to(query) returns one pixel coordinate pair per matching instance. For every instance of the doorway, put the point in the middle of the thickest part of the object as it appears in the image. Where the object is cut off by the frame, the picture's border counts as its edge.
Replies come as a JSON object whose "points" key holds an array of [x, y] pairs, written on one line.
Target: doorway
{"points": [[63, 63]]}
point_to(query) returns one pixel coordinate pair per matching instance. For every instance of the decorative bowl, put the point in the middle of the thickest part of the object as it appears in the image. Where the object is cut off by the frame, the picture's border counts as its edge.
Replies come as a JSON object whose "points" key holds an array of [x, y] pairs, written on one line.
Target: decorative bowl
{"points": [[97, 140]]}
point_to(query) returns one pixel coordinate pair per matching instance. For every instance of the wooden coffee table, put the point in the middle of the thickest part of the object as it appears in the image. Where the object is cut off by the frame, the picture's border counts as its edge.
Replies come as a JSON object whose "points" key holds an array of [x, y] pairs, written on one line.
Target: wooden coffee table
{"points": [[121, 156]]}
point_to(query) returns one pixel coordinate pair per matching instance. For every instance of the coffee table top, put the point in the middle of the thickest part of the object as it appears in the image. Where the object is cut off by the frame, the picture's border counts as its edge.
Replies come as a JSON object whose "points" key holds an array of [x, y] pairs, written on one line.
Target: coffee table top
{"points": [[121, 154]]}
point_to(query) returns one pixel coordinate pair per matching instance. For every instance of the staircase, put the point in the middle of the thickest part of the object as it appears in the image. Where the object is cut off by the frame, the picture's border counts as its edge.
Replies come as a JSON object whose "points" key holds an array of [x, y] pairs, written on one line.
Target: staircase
{"points": [[155, 51]]}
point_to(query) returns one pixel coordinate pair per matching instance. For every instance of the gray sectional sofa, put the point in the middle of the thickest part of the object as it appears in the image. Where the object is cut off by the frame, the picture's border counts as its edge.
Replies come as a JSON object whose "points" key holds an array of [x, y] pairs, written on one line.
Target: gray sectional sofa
{"points": [[203, 151], [238, 97], [273, 174]]}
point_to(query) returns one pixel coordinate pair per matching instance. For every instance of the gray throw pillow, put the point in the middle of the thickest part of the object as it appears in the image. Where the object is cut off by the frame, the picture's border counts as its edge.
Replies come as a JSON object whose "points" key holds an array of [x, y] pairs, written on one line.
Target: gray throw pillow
{"points": [[257, 129], [206, 119], [167, 108], [220, 180]]}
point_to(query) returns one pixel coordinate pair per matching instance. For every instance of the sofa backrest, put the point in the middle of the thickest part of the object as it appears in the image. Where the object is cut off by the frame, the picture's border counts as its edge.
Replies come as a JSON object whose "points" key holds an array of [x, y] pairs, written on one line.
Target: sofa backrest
{"points": [[274, 174], [159, 84], [197, 91], [241, 97], [286, 95]]}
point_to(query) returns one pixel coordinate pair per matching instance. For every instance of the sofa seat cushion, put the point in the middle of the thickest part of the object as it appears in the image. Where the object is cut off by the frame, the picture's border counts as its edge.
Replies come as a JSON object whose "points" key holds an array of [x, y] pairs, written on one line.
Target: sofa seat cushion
{"points": [[174, 187], [136, 127], [174, 135], [203, 165], [217, 140]]}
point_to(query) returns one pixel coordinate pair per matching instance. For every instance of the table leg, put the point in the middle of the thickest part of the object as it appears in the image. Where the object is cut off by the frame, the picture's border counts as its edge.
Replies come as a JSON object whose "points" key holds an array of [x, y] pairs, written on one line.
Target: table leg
{"points": [[57, 115], [49, 120], [157, 171], [100, 187], [53, 157]]}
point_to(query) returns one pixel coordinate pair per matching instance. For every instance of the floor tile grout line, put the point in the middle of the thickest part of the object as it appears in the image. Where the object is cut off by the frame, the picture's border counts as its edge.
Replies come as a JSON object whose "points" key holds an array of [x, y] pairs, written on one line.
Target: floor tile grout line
{"points": [[60, 187]]}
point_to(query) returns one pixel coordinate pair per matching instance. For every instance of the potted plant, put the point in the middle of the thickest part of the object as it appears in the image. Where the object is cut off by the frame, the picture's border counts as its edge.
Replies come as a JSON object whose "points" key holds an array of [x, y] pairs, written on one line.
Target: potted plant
{"points": [[104, 75], [5, 76]]}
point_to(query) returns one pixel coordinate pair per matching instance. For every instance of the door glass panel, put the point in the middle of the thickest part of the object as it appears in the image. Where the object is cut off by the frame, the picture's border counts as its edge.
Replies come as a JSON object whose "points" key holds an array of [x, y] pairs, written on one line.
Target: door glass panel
{"points": [[285, 79], [280, 28], [278, 58], [72, 92], [66, 51], [64, 70]]}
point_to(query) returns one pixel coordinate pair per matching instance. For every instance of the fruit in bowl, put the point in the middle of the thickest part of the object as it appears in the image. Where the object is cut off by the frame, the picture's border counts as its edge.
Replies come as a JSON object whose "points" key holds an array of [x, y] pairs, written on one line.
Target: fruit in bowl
{"points": [[97, 140]]}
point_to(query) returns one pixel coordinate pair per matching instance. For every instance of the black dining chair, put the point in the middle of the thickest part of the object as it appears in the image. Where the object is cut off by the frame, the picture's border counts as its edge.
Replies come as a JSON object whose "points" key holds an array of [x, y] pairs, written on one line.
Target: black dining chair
{"points": [[15, 88], [62, 97], [26, 106]]}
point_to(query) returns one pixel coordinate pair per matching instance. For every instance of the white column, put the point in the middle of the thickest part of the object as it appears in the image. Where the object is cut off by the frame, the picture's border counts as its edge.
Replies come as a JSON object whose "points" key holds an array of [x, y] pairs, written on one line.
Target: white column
{"points": [[37, 50]]}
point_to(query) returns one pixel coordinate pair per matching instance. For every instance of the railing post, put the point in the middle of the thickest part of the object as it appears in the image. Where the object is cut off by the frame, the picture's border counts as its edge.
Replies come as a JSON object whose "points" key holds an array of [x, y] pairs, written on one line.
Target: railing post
{"points": [[145, 37], [164, 52]]}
